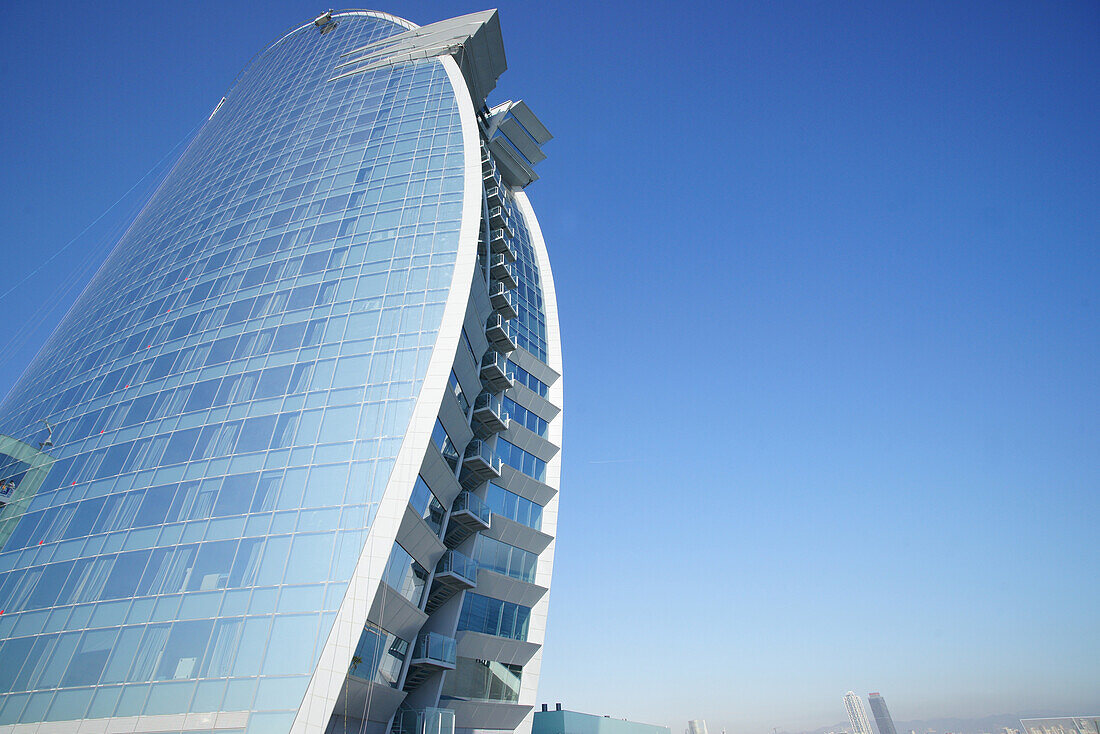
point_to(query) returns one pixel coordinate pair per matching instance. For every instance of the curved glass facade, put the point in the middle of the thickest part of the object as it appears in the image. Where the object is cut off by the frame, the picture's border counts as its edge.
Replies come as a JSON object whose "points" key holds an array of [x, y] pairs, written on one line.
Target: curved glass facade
{"points": [[217, 417]]}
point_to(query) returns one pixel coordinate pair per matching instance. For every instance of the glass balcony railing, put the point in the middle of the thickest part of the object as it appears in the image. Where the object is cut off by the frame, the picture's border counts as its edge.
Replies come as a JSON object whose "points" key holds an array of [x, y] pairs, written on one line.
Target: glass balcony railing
{"points": [[471, 503], [493, 194], [496, 333], [480, 457], [435, 648], [499, 244], [494, 370], [503, 301], [488, 401], [498, 217], [424, 721], [458, 564], [501, 270]]}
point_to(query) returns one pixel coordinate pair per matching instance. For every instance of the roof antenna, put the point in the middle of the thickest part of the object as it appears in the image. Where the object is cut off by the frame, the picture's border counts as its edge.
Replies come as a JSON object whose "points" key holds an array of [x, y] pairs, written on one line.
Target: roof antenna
{"points": [[49, 439]]}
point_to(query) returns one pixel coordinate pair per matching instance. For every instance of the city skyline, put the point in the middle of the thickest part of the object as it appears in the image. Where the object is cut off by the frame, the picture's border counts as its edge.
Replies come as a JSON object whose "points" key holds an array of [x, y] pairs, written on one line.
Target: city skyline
{"points": [[880, 220]]}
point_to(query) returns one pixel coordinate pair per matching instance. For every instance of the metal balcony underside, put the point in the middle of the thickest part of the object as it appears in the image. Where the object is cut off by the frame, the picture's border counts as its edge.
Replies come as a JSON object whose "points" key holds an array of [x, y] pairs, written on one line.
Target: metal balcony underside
{"points": [[496, 332], [499, 244], [502, 304], [490, 420], [444, 587], [469, 515], [494, 372], [501, 270]]}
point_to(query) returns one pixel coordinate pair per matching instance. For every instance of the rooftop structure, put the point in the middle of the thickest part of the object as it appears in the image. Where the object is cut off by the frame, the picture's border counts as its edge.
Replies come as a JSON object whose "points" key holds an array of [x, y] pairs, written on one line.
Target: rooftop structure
{"points": [[573, 722]]}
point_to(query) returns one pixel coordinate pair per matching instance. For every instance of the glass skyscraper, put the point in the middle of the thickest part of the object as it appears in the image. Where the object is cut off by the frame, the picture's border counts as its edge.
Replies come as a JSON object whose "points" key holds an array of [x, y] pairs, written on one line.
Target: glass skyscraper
{"points": [[883, 720], [290, 463]]}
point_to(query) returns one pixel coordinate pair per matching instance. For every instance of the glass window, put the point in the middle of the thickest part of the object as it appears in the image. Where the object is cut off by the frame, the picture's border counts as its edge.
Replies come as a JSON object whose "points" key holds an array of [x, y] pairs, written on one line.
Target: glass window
{"points": [[443, 442], [494, 555], [526, 418], [521, 460], [513, 507], [456, 388], [427, 505], [378, 656], [405, 576], [494, 617], [528, 380], [483, 680]]}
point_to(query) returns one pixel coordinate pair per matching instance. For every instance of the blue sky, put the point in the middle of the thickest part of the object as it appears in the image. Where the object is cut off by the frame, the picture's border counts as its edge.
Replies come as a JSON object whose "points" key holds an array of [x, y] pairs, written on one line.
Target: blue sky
{"points": [[827, 277]]}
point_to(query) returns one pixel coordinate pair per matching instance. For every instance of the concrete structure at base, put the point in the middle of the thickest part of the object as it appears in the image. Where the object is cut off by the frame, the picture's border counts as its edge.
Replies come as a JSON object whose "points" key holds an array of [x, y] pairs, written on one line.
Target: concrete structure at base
{"points": [[573, 722], [298, 440]]}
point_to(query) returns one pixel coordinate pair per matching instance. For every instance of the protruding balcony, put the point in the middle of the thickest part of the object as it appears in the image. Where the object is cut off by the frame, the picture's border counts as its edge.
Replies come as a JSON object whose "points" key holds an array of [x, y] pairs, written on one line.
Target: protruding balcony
{"points": [[490, 174], [494, 371], [500, 269], [469, 515], [502, 301], [455, 572], [489, 413], [435, 650], [432, 653], [496, 332], [499, 244], [480, 464], [424, 721], [493, 194], [498, 217]]}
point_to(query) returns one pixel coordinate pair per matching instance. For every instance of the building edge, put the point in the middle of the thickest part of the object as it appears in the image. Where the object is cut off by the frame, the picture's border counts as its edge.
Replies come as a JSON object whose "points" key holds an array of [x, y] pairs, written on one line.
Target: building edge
{"points": [[328, 677]]}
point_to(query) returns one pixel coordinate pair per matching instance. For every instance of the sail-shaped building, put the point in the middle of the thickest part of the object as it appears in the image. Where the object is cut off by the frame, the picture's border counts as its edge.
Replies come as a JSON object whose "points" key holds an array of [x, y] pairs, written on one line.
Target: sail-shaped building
{"points": [[291, 462]]}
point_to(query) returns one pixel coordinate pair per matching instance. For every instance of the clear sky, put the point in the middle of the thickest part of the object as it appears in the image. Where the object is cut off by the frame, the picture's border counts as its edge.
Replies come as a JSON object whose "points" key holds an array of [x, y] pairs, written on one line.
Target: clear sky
{"points": [[828, 280]]}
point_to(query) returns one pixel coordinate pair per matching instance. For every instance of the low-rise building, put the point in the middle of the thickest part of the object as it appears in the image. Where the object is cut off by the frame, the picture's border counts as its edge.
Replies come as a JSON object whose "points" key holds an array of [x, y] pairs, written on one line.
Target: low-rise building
{"points": [[560, 721]]}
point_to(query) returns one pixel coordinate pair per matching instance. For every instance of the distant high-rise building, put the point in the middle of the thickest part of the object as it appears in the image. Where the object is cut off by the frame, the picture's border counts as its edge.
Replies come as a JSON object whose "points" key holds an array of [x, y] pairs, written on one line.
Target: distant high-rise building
{"points": [[856, 714], [883, 721], [697, 726], [1062, 725]]}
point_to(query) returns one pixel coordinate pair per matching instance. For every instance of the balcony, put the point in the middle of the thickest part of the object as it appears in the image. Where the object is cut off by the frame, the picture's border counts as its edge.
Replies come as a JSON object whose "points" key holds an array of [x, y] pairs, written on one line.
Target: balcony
{"points": [[501, 298], [469, 515], [435, 650], [455, 572], [493, 194], [494, 371], [489, 413], [432, 653], [498, 217], [480, 464], [496, 332], [458, 569], [500, 269], [500, 245], [490, 174], [424, 721]]}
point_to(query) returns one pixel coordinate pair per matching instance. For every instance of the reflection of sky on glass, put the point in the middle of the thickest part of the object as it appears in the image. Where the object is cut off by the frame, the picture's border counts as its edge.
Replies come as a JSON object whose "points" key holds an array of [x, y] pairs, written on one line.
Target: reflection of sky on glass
{"points": [[230, 393]]}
